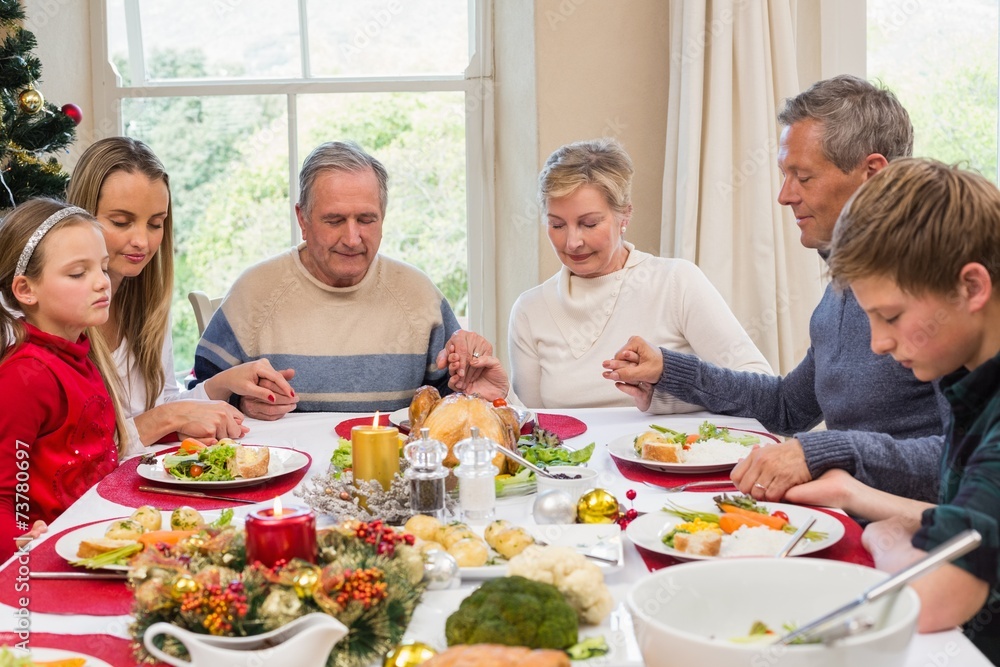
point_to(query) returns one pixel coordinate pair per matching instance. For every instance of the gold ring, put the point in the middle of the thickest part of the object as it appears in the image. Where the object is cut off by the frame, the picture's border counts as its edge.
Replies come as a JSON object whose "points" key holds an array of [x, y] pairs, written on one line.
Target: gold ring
{"points": [[757, 485]]}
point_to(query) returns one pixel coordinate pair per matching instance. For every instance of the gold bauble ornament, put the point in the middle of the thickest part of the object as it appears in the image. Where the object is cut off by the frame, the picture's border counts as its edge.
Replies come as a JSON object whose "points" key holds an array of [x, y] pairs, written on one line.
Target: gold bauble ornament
{"points": [[30, 100], [597, 506], [193, 542], [304, 581], [409, 655], [183, 585]]}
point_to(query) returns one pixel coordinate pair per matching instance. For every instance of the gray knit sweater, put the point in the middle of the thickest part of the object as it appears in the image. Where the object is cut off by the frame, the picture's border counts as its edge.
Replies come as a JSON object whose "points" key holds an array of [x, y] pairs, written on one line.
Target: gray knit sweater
{"points": [[884, 426]]}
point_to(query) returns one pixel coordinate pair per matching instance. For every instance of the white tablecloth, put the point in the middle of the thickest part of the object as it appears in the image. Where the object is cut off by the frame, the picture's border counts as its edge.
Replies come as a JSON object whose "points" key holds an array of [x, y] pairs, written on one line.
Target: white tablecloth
{"points": [[314, 433]]}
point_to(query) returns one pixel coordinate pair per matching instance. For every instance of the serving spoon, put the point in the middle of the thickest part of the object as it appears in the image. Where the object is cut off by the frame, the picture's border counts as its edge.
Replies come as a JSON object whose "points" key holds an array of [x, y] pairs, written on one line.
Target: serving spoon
{"points": [[954, 548]]}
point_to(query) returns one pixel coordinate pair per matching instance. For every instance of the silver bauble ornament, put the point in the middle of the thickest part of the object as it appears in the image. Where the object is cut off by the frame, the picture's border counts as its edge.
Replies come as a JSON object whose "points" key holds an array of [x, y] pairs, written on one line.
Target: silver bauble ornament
{"points": [[554, 506], [440, 570]]}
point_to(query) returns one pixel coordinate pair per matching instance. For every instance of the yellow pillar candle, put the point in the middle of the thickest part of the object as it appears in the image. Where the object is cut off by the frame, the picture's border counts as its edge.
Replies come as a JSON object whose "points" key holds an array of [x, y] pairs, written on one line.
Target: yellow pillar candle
{"points": [[375, 453]]}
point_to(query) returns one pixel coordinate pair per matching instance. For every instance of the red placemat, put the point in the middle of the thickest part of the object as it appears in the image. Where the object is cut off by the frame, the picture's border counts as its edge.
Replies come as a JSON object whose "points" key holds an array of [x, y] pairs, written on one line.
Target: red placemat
{"points": [[112, 650], [343, 429], [122, 487], [847, 550], [564, 426], [100, 597]]}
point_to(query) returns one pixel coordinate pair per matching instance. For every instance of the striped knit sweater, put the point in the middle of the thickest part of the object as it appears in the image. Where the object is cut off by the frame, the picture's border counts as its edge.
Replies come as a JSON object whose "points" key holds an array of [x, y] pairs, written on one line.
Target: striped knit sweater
{"points": [[353, 349]]}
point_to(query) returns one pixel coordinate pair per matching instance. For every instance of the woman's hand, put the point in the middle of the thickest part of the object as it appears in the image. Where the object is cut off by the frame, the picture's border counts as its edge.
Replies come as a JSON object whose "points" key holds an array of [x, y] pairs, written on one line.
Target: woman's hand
{"points": [[253, 379], [459, 352], [208, 421], [490, 380], [636, 362], [641, 393]]}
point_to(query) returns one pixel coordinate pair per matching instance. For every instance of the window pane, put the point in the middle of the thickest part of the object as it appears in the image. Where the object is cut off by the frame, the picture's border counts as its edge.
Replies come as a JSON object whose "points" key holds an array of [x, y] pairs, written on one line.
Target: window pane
{"points": [[420, 138], [227, 158], [250, 39], [940, 58], [388, 38]]}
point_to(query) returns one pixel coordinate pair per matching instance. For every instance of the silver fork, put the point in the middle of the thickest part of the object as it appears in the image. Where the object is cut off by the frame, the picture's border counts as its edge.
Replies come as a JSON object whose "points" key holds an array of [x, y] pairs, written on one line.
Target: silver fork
{"points": [[694, 485]]}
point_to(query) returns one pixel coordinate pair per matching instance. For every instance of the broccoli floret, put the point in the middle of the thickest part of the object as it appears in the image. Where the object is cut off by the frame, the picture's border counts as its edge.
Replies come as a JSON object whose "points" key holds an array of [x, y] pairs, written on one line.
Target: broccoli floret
{"points": [[516, 612]]}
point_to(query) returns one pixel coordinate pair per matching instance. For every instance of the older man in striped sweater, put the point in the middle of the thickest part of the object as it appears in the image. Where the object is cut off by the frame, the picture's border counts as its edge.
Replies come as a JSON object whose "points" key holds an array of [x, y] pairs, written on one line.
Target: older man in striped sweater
{"points": [[355, 330]]}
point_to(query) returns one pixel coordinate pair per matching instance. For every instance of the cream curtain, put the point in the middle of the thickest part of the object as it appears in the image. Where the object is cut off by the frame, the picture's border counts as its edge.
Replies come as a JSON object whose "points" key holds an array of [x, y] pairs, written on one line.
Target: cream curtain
{"points": [[732, 64]]}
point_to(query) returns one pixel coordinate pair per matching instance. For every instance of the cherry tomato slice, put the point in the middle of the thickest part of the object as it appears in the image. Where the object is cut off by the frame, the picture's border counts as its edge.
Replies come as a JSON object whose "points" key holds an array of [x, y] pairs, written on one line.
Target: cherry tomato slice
{"points": [[195, 470], [499, 403], [781, 515]]}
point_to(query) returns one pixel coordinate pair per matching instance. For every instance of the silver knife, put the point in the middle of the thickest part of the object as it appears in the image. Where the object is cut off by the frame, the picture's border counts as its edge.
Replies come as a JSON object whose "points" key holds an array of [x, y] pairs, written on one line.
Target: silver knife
{"points": [[79, 575], [195, 494]]}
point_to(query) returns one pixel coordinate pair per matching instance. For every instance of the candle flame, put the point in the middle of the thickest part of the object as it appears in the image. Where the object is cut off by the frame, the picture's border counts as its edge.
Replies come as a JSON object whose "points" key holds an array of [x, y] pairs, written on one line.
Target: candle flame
{"points": [[375, 420], [277, 508]]}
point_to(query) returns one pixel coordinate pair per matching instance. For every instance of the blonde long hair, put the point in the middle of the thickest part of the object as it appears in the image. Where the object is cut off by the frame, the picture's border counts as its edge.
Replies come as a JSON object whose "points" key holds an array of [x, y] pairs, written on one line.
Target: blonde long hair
{"points": [[15, 230], [141, 304]]}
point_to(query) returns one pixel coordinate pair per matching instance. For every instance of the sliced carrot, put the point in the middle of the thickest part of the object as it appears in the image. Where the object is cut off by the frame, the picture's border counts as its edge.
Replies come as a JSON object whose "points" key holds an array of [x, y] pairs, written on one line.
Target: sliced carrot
{"points": [[192, 446], [730, 523], [691, 439], [66, 662], [772, 522], [171, 537]]}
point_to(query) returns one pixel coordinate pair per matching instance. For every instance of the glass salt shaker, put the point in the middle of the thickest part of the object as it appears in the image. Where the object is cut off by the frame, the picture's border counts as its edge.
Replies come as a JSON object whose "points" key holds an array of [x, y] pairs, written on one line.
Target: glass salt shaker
{"points": [[426, 474], [477, 494]]}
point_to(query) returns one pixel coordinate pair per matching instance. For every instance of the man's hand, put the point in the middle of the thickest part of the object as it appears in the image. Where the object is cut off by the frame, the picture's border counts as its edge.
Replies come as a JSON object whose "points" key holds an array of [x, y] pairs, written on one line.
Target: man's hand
{"points": [[637, 362], [459, 352], [767, 473], [490, 379]]}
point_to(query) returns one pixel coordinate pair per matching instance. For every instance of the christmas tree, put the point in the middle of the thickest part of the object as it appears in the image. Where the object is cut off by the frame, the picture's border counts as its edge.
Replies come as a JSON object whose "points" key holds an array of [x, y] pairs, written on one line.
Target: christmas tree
{"points": [[31, 127]]}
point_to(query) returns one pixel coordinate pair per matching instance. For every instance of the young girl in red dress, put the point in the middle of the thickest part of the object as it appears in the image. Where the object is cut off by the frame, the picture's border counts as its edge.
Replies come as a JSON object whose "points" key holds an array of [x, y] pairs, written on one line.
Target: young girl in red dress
{"points": [[58, 421]]}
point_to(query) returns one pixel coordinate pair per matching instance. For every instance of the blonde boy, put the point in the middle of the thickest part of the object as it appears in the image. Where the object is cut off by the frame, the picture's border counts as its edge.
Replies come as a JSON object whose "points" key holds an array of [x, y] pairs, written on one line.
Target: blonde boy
{"points": [[919, 245]]}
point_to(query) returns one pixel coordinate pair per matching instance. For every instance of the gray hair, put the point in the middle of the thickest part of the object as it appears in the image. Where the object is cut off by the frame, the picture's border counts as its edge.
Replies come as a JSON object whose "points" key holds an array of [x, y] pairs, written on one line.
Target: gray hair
{"points": [[340, 156], [858, 119], [602, 163]]}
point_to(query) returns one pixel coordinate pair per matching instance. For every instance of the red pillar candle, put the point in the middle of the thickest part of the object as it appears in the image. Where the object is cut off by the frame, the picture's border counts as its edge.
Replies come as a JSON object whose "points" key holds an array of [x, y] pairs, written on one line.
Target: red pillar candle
{"points": [[281, 534]]}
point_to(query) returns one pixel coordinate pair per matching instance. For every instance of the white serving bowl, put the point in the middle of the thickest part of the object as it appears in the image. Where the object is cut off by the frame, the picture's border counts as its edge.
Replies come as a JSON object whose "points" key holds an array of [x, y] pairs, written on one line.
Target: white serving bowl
{"points": [[688, 614], [586, 479]]}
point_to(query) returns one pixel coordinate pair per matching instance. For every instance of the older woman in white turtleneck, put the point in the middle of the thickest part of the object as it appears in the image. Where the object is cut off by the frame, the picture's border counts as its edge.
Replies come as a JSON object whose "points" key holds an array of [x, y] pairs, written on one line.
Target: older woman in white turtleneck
{"points": [[562, 330]]}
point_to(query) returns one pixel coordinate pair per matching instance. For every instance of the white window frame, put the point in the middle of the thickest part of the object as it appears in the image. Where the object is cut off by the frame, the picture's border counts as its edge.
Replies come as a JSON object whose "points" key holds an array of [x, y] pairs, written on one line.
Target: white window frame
{"points": [[476, 84]]}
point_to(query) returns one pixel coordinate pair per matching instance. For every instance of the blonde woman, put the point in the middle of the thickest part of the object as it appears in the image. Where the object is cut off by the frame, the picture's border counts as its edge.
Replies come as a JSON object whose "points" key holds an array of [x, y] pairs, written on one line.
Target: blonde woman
{"points": [[123, 184], [607, 290]]}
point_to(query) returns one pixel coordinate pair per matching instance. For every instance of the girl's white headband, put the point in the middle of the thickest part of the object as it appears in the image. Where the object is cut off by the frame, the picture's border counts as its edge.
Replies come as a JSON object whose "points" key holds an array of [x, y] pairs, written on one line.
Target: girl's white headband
{"points": [[43, 229]]}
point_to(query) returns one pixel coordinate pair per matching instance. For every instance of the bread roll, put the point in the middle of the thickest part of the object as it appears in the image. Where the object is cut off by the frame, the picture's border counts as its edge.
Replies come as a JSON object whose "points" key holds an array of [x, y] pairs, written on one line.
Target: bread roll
{"points": [[252, 461], [702, 543], [492, 655], [655, 446]]}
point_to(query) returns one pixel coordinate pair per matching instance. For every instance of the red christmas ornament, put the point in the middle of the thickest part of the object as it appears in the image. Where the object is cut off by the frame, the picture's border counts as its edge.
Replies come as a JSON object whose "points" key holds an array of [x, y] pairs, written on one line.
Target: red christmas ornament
{"points": [[74, 112]]}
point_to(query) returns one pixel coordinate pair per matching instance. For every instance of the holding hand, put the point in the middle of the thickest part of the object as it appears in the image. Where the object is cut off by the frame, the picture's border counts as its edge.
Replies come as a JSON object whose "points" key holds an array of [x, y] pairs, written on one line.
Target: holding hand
{"points": [[208, 421], [472, 366], [767, 473], [636, 367], [255, 379]]}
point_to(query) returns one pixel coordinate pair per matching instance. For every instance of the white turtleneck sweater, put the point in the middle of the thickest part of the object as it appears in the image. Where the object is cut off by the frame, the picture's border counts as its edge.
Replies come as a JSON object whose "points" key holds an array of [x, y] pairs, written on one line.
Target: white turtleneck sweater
{"points": [[561, 331]]}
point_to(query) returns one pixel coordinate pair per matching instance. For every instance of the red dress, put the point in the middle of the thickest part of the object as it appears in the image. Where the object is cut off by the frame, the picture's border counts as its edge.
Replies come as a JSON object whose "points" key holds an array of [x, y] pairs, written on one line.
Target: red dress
{"points": [[57, 427]]}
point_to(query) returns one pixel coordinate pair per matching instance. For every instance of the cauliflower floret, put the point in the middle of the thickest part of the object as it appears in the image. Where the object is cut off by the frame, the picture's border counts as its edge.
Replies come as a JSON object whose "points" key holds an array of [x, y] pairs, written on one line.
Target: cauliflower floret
{"points": [[580, 581]]}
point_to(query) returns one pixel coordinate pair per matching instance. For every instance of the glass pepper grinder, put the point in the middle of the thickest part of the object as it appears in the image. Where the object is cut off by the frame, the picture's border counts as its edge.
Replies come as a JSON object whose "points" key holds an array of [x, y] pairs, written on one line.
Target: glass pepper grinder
{"points": [[477, 494], [426, 474]]}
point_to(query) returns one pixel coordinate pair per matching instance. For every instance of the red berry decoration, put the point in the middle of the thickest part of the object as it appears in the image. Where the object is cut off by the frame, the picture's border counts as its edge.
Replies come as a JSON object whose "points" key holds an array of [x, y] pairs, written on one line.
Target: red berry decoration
{"points": [[631, 514], [74, 112], [630, 494]]}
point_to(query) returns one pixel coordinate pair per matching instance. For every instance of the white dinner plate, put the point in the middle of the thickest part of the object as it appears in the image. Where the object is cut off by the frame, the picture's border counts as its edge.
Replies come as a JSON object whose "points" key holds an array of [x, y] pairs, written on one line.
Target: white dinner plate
{"points": [[69, 544], [435, 607], [39, 654], [648, 530], [281, 462], [604, 540], [624, 448]]}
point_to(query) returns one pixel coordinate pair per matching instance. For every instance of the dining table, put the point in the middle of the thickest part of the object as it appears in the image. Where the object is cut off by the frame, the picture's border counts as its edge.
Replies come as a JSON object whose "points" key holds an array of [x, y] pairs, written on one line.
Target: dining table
{"points": [[92, 616]]}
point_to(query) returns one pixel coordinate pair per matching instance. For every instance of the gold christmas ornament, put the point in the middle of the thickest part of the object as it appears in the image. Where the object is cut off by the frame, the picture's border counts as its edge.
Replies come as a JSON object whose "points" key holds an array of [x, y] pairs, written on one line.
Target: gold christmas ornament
{"points": [[409, 655], [304, 581], [597, 506], [30, 100], [183, 585]]}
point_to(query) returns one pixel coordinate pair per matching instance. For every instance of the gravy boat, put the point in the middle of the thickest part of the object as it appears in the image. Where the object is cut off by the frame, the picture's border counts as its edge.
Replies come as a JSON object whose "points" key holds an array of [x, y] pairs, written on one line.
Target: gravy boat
{"points": [[305, 642]]}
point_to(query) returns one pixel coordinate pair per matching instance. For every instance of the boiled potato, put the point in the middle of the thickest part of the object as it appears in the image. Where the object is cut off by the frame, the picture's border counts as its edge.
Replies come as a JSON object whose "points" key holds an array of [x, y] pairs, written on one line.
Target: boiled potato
{"points": [[457, 534], [186, 518], [125, 529], [148, 517], [422, 526], [494, 529], [511, 542], [423, 546], [470, 552]]}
